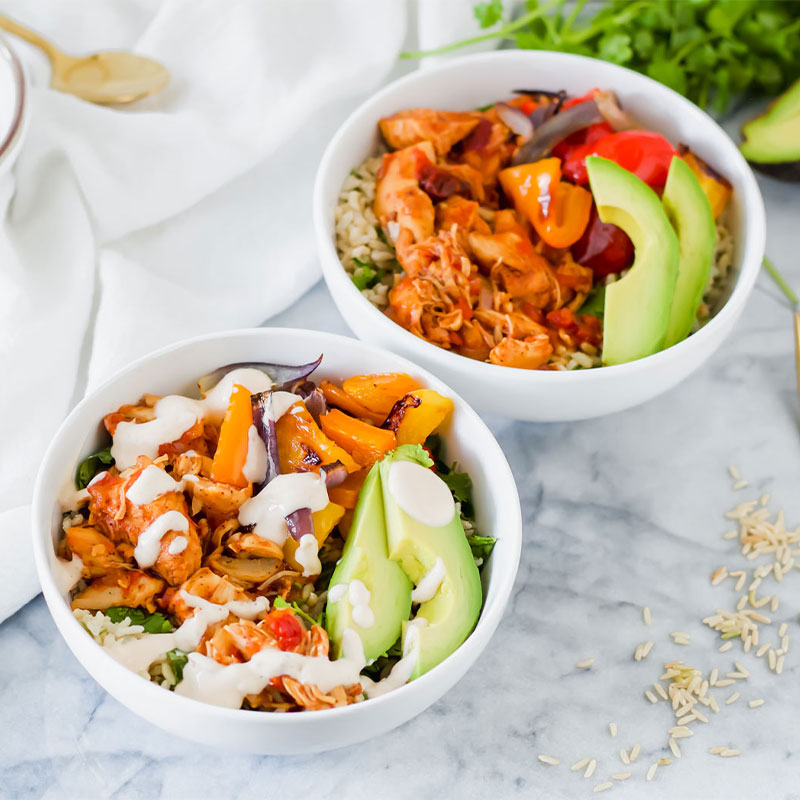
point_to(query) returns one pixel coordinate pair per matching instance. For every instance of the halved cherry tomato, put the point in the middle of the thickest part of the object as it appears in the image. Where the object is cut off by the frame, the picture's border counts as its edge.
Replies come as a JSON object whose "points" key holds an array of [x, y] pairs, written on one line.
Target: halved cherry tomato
{"points": [[604, 247], [558, 211], [285, 627], [644, 153]]}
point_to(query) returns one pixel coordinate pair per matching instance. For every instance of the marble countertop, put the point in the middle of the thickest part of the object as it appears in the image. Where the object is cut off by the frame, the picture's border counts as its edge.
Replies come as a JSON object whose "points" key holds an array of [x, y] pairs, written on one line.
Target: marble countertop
{"points": [[619, 513]]}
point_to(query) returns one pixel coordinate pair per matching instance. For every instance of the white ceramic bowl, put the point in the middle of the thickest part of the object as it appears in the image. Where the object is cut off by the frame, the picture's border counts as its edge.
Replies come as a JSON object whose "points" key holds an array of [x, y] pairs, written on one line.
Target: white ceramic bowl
{"points": [[474, 81], [176, 369], [13, 106]]}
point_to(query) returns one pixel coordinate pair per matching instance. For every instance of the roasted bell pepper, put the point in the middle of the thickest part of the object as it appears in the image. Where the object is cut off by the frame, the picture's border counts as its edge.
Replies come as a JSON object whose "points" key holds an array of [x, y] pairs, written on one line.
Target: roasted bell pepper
{"points": [[338, 398], [303, 447], [717, 189], [419, 420], [558, 211], [324, 522], [346, 493], [379, 392], [231, 451], [366, 443]]}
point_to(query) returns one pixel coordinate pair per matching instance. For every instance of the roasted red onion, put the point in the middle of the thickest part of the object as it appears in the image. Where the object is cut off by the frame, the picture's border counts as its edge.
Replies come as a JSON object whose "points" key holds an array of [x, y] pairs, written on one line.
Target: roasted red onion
{"points": [[300, 523], [335, 474], [265, 425], [558, 127], [609, 107], [516, 120], [282, 375]]}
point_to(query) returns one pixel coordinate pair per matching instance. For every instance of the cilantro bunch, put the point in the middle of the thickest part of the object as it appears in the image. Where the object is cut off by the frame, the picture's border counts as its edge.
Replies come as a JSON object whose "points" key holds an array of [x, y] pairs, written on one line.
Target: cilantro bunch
{"points": [[708, 50]]}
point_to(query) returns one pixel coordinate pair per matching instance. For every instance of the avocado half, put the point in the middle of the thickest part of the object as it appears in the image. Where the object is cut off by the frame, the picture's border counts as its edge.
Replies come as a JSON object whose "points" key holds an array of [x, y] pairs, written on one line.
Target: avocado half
{"points": [[772, 139]]}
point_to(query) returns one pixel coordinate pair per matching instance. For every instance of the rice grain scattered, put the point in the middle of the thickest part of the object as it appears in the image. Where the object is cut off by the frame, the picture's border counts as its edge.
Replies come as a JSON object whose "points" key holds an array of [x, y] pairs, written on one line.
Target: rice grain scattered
{"points": [[602, 787], [733, 698], [623, 754], [756, 703], [580, 764], [621, 776], [634, 754], [673, 745], [651, 773], [648, 620], [585, 664], [554, 762], [612, 728], [590, 769]]}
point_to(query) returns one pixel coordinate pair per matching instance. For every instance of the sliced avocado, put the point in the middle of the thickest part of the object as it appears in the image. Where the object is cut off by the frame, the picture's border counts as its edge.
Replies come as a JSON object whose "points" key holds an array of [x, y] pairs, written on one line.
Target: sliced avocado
{"points": [[637, 307], [690, 213], [453, 610], [772, 140], [365, 558]]}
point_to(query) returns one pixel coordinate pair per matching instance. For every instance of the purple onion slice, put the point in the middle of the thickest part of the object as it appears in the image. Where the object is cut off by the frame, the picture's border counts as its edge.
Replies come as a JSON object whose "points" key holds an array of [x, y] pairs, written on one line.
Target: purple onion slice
{"points": [[300, 523], [265, 425], [282, 375], [335, 474], [513, 118]]}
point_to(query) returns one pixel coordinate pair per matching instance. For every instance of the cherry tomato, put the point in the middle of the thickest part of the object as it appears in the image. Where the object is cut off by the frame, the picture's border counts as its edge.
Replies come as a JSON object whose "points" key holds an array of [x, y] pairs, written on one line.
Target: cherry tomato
{"points": [[644, 153], [286, 628], [604, 247]]}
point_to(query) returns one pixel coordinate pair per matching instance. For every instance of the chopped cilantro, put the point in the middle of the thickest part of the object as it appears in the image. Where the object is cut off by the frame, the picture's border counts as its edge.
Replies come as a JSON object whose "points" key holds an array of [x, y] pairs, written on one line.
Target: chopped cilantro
{"points": [[91, 465], [481, 546], [152, 623], [177, 659], [279, 602]]}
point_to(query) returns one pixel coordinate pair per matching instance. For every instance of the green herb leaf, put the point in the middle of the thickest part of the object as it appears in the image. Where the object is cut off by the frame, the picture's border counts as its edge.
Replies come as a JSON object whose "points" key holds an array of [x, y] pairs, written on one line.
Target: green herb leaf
{"points": [[488, 14], [177, 659], [279, 602], [91, 465], [152, 623], [481, 546], [460, 484], [615, 47]]}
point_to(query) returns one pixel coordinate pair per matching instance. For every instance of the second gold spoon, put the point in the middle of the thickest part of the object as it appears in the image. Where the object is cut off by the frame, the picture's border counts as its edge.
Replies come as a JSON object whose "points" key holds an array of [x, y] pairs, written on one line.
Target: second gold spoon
{"points": [[110, 77]]}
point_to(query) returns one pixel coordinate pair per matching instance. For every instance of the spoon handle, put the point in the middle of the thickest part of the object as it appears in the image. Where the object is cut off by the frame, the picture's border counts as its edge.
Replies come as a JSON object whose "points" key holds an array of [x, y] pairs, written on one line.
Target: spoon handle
{"points": [[8, 24]]}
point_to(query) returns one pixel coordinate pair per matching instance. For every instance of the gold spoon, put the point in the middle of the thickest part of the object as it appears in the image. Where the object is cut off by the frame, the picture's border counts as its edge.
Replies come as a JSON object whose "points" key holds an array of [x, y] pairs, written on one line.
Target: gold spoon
{"points": [[110, 77]]}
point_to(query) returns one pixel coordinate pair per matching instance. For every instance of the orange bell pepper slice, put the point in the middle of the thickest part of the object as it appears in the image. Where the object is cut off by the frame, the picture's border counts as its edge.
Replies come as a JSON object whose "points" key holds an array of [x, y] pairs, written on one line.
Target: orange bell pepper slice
{"points": [[366, 443], [339, 398], [231, 451], [379, 392], [558, 211], [346, 493]]}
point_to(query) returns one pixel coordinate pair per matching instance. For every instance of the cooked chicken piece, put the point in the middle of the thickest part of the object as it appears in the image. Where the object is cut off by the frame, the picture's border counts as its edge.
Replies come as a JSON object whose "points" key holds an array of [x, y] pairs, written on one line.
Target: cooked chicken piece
{"points": [[538, 286], [469, 179], [574, 281], [96, 551], [413, 303], [441, 128], [530, 353], [253, 545], [398, 196], [510, 248], [219, 500], [512, 324], [122, 520], [143, 412], [462, 213], [488, 148], [190, 464], [238, 642], [206, 585], [245, 572], [476, 342], [120, 587], [507, 221]]}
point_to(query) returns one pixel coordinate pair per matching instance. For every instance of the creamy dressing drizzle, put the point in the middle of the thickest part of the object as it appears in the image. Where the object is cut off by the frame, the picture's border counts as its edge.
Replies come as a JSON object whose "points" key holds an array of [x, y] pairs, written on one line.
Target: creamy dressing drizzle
{"points": [[426, 589], [175, 414], [149, 545], [151, 484], [139, 654], [206, 680], [336, 593], [402, 670], [70, 498], [177, 545], [282, 402], [67, 573], [307, 555], [421, 493], [255, 465], [283, 495], [359, 595]]}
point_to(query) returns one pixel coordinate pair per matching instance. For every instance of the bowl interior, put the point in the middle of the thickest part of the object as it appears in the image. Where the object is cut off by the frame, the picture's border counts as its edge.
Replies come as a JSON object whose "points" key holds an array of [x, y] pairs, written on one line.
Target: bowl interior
{"points": [[474, 81], [176, 369]]}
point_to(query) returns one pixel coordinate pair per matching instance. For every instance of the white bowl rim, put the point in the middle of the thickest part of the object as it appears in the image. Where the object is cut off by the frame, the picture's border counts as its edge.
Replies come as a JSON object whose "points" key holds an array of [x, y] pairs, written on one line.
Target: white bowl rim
{"points": [[21, 96], [62, 615], [751, 258]]}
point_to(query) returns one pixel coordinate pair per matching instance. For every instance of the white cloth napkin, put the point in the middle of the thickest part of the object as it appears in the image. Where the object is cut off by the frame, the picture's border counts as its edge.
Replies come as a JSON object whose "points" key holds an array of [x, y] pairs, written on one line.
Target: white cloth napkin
{"points": [[125, 230]]}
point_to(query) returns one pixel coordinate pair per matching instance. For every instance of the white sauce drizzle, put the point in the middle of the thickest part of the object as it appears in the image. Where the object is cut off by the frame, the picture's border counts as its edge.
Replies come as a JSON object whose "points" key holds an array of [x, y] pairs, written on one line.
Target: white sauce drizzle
{"points": [[402, 670], [175, 414], [430, 583], [307, 555], [70, 498], [139, 654], [421, 493], [282, 402], [359, 595], [151, 484], [177, 545], [283, 495], [206, 680], [98, 477], [255, 465], [149, 545], [67, 573], [336, 593]]}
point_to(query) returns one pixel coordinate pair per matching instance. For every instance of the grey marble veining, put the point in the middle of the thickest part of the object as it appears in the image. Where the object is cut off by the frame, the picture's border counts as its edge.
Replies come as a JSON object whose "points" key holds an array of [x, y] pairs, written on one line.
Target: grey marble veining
{"points": [[619, 513]]}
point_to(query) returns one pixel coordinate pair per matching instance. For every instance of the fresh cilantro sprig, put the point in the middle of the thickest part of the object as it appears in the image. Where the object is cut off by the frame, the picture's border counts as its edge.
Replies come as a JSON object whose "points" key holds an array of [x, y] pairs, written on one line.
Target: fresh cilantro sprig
{"points": [[152, 623], [279, 602], [91, 465], [177, 659], [711, 51]]}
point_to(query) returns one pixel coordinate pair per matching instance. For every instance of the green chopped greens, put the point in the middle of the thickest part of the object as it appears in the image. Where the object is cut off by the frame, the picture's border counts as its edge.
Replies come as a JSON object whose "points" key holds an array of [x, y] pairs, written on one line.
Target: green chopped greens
{"points": [[374, 669], [177, 660], [711, 51], [91, 465], [481, 546], [152, 623], [279, 602], [459, 483], [366, 275], [595, 302]]}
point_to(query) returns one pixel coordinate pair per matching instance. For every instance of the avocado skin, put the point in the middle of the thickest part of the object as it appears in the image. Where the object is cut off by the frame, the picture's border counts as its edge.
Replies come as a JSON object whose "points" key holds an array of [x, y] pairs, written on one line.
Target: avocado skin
{"points": [[689, 212], [365, 558], [772, 139], [455, 608], [636, 310]]}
